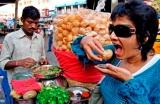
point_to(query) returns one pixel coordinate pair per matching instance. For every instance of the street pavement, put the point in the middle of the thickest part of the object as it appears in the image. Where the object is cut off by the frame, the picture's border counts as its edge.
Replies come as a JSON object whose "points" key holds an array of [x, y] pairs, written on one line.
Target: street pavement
{"points": [[1, 39], [50, 56]]}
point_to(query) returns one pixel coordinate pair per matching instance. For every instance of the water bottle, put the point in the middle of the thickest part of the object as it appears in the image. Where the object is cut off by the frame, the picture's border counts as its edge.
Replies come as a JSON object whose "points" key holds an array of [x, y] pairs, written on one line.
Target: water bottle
{"points": [[2, 96]]}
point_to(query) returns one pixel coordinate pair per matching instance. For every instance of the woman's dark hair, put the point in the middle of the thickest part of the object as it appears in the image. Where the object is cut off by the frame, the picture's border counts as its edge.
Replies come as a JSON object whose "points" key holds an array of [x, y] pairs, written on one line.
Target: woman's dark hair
{"points": [[30, 12], [145, 20]]}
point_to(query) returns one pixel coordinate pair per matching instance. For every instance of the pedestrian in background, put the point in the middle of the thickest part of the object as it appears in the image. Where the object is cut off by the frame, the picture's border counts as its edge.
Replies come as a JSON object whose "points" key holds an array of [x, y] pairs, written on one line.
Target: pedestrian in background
{"points": [[40, 31], [23, 48], [50, 36]]}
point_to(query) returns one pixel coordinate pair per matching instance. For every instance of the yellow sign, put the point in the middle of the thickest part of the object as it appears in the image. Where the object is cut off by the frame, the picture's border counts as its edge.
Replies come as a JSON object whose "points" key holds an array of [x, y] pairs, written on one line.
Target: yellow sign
{"points": [[156, 45]]}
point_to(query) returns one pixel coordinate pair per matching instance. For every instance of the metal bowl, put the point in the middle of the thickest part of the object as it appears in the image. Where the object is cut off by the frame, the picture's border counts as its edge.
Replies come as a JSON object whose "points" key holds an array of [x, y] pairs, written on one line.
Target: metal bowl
{"points": [[76, 95], [25, 101], [22, 75], [46, 72], [59, 81]]}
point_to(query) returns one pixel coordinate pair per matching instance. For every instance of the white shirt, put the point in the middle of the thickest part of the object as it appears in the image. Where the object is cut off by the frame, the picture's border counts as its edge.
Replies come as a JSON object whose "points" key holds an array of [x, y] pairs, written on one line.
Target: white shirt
{"points": [[17, 45], [146, 66]]}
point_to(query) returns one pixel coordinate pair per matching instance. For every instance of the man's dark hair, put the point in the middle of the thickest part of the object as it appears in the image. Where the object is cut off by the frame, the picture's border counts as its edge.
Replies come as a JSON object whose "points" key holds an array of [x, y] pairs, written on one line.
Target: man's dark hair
{"points": [[145, 20], [30, 12]]}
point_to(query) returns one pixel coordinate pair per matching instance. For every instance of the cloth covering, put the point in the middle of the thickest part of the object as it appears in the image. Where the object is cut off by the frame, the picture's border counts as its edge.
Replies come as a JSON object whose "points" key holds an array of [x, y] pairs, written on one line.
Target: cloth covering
{"points": [[75, 69], [22, 86]]}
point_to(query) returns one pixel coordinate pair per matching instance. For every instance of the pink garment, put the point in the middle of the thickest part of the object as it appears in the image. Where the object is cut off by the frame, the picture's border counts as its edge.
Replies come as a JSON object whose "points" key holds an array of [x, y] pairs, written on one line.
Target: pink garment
{"points": [[22, 86]]}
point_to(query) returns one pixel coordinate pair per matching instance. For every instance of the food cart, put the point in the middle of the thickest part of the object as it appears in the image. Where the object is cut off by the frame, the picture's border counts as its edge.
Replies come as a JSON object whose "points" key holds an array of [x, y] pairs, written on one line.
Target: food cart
{"points": [[46, 85], [5, 97]]}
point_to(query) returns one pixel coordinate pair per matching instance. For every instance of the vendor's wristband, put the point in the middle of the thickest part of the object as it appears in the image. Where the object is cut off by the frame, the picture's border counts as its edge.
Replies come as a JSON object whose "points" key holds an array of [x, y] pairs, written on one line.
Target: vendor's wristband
{"points": [[15, 63]]}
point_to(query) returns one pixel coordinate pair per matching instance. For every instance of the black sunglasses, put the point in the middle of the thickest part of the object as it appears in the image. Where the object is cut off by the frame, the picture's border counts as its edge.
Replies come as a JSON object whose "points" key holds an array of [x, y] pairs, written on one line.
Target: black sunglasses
{"points": [[121, 30]]}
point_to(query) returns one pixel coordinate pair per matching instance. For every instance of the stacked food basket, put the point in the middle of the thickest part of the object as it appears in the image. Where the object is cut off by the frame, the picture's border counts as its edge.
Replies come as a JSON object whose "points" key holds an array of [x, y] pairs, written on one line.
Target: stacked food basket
{"points": [[67, 28]]}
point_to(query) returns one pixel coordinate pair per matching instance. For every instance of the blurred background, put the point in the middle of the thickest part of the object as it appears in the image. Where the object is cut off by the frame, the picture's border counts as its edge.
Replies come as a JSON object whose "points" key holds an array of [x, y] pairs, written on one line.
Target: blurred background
{"points": [[11, 10]]}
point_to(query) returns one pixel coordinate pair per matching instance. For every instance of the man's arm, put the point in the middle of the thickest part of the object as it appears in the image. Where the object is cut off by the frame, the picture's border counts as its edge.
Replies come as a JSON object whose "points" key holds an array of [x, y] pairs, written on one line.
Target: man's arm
{"points": [[26, 63], [6, 52], [6, 61]]}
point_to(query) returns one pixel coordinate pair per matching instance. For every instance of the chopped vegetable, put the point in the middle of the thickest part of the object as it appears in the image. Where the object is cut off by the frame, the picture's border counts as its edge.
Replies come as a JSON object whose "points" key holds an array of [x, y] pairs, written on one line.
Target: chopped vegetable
{"points": [[85, 94], [47, 72], [53, 95]]}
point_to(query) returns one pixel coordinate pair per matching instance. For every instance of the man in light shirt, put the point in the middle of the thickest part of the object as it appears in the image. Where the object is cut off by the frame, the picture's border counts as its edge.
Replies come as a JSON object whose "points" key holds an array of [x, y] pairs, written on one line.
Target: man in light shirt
{"points": [[23, 48]]}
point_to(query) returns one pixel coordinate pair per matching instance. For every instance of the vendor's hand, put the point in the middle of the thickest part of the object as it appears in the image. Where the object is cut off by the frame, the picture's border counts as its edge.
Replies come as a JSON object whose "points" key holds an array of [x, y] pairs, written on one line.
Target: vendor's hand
{"points": [[90, 44], [116, 72], [43, 61], [26, 63]]}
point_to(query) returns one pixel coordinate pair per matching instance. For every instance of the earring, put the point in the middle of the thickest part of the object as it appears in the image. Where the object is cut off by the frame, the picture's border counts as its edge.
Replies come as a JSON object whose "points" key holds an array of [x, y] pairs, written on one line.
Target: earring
{"points": [[140, 48]]}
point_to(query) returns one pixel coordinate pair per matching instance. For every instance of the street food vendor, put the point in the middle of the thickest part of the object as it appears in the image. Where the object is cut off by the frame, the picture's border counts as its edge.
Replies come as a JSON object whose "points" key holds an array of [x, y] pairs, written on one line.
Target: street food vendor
{"points": [[23, 48]]}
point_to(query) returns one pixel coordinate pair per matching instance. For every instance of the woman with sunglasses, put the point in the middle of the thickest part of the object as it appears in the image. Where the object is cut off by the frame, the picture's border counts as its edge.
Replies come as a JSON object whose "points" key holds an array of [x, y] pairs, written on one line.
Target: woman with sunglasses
{"points": [[135, 79]]}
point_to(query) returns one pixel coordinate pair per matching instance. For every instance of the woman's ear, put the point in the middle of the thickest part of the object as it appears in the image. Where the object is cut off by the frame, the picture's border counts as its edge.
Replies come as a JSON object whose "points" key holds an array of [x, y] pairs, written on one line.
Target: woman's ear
{"points": [[146, 39], [147, 35]]}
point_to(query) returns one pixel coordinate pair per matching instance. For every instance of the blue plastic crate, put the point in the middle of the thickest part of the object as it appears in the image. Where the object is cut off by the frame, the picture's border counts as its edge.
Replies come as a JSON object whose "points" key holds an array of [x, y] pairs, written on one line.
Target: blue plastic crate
{"points": [[6, 87]]}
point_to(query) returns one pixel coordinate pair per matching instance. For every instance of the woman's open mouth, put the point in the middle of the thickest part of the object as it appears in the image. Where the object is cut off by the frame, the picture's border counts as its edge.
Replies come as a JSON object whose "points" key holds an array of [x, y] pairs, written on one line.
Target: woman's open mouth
{"points": [[118, 49]]}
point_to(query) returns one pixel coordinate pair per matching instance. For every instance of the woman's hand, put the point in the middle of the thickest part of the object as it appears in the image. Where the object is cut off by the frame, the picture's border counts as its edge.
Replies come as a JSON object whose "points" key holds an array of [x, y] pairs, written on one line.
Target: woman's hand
{"points": [[116, 72], [90, 44]]}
